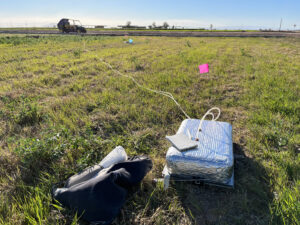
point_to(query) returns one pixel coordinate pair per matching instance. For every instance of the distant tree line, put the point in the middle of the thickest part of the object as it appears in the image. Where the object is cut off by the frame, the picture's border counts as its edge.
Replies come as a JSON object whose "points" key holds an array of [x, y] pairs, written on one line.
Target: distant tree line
{"points": [[152, 26], [164, 26]]}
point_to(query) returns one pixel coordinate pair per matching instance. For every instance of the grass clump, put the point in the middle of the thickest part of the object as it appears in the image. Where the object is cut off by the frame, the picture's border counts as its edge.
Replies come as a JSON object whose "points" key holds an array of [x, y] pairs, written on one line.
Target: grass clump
{"points": [[28, 115], [77, 53]]}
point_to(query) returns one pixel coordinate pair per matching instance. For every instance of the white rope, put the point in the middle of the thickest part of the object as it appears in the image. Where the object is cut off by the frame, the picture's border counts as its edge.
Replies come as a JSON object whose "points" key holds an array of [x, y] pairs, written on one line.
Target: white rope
{"points": [[164, 93], [209, 112], [169, 95]]}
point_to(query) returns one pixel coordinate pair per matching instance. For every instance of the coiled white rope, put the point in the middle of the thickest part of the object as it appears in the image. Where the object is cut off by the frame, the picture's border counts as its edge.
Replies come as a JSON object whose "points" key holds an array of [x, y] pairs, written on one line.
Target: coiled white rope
{"points": [[209, 112], [169, 95]]}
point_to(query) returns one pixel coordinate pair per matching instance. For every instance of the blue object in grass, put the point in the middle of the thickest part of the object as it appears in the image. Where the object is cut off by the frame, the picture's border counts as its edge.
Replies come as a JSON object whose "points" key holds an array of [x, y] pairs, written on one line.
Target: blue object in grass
{"points": [[130, 41]]}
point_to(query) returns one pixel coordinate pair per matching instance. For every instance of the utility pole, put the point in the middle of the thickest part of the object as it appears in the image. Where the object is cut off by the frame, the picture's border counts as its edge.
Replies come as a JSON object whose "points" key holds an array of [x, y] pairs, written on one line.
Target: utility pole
{"points": [[280, 24]]}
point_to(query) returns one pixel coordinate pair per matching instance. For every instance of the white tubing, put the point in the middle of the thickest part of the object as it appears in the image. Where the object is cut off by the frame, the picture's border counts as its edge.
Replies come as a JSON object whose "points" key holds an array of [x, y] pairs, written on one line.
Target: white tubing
{"points": [[164, 93], [169, 95], [205, 115]]}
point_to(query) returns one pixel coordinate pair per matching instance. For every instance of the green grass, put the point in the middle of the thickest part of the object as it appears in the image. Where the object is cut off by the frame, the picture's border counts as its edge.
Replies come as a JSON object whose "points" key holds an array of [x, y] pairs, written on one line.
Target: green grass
{"points": [[62, 110], [28, 28]]}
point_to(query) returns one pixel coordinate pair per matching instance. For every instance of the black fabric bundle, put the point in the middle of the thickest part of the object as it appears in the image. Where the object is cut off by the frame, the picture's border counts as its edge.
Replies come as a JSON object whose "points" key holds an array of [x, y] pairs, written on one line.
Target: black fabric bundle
{"points": [[100, 198]]}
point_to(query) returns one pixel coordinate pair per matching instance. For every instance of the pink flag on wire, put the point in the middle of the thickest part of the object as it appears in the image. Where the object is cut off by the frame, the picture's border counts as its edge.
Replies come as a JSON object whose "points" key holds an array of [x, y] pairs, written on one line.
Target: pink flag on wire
{"points": [[204, 68]]}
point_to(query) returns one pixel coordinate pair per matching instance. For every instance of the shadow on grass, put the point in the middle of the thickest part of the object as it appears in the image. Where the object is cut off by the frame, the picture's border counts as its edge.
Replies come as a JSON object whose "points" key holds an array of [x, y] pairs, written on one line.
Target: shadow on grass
{"points": [[247, 203], [188, 203]]}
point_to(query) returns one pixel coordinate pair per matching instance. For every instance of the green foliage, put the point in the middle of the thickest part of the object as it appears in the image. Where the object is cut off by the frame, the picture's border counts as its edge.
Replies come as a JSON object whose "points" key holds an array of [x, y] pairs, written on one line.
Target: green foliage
{"points": [[188, 44], [137, 64], [46, 153], [37, 154], [77, 53], [29, 114], [35, 210], [21, 111], [16, 40], [286, 210], [243, 52]]}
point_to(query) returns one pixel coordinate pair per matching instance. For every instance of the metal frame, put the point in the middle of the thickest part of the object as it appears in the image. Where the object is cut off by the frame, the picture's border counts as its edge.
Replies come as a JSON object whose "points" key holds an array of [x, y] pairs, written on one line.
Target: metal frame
{"points": [[172, 177]]}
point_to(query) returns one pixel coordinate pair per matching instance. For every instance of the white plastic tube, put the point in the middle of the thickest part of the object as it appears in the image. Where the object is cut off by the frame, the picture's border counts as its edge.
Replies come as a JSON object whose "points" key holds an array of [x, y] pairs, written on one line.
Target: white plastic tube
{"points": [[115, 156]]}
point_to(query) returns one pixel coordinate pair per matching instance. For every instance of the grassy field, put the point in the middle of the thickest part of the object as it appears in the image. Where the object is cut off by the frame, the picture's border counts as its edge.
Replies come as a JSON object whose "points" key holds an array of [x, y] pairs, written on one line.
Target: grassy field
{"points": [[170, 30], [62, 110], [28, 28]]}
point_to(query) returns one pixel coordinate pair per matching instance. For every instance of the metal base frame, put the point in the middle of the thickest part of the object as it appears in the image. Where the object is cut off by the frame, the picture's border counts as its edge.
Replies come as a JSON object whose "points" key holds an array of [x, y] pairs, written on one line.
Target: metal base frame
{"points": [[168, 177]]}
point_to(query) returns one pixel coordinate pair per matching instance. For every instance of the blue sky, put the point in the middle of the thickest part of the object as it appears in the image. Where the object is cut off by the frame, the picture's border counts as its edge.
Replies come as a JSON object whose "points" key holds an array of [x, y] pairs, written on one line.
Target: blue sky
{"points": [[187, 13]]}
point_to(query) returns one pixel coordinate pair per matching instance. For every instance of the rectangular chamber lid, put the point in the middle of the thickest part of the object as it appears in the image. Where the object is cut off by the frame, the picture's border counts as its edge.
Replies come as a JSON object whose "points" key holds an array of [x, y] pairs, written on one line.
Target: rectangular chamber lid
{"points": [[214, 145]]}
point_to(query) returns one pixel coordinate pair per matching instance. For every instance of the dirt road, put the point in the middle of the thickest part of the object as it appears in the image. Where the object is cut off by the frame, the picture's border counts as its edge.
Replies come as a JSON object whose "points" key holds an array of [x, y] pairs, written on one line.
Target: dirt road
{"points": [[161, 33]]}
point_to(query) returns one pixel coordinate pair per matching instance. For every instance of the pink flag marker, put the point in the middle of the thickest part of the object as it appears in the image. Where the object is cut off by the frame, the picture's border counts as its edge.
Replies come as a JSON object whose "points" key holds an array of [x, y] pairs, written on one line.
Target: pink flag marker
{"points": [[204, 68]]}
